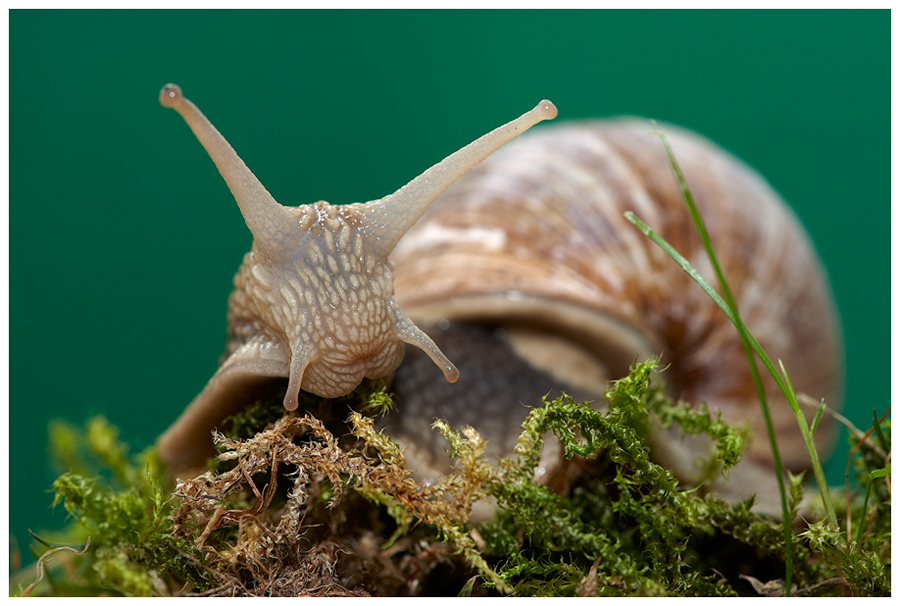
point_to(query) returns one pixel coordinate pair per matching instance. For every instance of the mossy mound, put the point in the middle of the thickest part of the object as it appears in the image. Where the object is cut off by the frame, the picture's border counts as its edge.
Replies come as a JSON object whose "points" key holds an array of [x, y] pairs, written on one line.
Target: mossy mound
{"points": [[310, 504]]}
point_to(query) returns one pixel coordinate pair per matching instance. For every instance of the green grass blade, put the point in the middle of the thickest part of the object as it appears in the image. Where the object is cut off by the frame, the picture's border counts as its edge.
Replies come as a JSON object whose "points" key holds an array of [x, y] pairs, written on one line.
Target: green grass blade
{"points": [[862, 523], [754, 344], [880, 473], [735, 319], [878, 432], [745, 335], [779, 380], [819, 412]]}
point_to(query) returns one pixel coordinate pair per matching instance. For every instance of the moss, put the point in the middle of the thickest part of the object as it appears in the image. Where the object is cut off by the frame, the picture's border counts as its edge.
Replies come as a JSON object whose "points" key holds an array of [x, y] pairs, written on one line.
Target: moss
{"points": [[583, 532], [862, 550], [298, 505], [121, 503]]}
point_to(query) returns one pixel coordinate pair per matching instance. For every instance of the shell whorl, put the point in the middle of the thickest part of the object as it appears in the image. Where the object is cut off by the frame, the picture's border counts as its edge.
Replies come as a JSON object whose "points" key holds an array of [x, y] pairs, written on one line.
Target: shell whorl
{"points": [[537, 233]]}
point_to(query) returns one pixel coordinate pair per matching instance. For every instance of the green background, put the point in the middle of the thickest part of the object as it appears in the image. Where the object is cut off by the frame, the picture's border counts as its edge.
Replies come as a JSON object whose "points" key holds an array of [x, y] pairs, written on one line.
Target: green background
{"points": [[124, 239]]}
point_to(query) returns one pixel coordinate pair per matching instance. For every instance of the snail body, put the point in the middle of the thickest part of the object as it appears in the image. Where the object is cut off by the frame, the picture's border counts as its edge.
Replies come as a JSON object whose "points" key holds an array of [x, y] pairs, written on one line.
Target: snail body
{"points": [[527, 273]]}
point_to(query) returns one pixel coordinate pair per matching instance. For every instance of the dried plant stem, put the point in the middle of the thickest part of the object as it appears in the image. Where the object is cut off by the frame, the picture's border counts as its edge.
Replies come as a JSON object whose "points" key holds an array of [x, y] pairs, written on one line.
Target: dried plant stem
{"points": [[42, 561]]}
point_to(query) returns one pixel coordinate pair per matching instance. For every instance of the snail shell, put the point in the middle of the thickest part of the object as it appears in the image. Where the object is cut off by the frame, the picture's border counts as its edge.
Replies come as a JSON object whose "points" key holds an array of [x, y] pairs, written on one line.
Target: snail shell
{"points": [[528, 276], [529, 256]]}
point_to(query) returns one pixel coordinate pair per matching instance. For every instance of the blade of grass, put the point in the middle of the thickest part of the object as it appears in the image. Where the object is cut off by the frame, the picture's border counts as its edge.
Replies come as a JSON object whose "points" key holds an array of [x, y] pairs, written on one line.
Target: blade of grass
{"points": [[754, 371], [862, 522], [818, 417], [877, 424], [745, 335], [782, 493], [755, 346]]}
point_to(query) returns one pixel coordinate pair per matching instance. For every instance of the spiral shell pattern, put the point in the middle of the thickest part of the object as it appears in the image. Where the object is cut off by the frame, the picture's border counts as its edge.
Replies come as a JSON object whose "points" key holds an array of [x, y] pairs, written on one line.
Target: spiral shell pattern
{"points": [[539, 225]]}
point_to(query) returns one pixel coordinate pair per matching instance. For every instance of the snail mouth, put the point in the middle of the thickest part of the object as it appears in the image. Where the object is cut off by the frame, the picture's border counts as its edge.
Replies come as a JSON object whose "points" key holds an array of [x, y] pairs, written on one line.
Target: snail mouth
{"points": [[371, 360]]}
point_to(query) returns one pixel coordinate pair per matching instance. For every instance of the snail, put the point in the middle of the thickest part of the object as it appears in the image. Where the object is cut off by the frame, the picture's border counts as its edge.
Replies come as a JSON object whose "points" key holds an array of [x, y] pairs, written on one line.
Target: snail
{"points": [[313, 299], [527, 275]]}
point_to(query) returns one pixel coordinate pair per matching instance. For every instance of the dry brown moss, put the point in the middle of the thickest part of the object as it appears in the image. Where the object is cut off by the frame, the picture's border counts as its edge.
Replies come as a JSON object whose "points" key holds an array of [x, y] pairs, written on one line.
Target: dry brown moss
{"points": [[271, 550]]}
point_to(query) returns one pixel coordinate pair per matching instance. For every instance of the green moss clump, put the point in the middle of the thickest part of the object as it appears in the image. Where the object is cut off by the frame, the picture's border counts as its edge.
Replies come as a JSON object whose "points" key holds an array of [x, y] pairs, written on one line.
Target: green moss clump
{"points": [[298, 506], [550, 543], [120, 506], [862, 550]]}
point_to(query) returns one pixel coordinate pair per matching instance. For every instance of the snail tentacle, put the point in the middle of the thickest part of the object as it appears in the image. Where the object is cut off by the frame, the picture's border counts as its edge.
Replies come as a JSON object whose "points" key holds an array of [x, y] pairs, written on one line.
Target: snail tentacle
{"points": [[270, 223], [392, 216], [408, 332]]}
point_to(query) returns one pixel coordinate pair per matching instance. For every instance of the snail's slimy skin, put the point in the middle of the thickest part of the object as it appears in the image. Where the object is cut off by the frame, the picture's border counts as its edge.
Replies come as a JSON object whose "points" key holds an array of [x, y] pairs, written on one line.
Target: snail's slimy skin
{"points": [[331, 302], [314, 299]]}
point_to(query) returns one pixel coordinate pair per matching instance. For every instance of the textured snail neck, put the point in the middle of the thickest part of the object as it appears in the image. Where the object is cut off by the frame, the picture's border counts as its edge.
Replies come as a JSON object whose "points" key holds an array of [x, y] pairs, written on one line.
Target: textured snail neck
{"points": [[269, 222], [392, 216]]}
